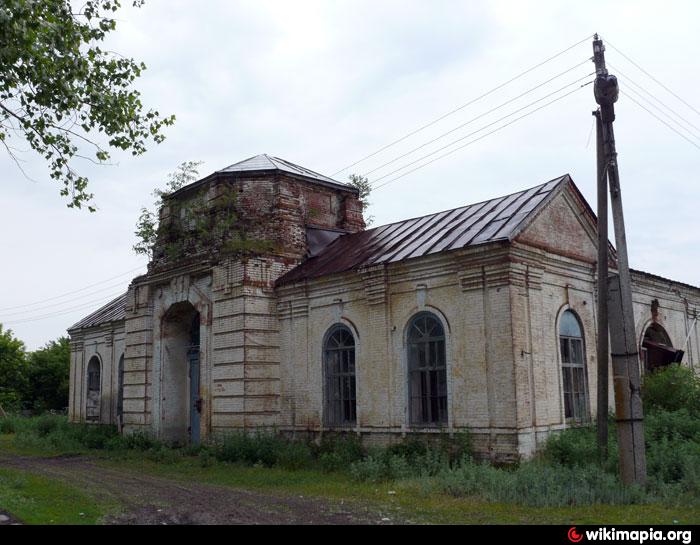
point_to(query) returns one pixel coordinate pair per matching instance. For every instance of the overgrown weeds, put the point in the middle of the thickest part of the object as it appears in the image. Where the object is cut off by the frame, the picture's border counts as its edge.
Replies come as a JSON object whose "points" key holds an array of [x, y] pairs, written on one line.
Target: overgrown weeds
{"points": [[565, 472]]}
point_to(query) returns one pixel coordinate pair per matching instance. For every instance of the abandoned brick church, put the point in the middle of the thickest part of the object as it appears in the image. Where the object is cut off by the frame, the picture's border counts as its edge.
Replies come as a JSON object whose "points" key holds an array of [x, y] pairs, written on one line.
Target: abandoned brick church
{"points": [[480, 318]]}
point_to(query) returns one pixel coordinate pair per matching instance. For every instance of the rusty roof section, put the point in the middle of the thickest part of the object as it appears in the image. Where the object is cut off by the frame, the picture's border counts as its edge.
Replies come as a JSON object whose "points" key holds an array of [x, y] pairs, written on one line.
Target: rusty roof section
{"points": [[111, 312], [499, 219]]}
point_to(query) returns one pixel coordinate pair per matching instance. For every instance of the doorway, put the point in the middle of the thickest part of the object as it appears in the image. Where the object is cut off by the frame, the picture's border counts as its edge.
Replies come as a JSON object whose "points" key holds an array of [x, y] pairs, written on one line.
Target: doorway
{"points": [[181, 402]]}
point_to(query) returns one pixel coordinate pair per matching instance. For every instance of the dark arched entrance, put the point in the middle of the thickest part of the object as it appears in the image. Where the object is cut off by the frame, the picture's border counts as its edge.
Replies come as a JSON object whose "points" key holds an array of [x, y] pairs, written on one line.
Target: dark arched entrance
{"points": [[657, 350], [181, 375]]}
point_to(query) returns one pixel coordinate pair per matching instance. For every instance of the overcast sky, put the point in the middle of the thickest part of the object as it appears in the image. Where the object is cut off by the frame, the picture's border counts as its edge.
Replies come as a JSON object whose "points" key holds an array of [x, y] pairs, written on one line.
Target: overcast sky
{"points": [[325, 83]]}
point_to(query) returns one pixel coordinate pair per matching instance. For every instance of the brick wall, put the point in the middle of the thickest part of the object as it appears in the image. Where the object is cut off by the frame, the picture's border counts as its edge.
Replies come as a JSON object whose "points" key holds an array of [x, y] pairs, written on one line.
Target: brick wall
{"points": [[262, 355], [240, 346]]}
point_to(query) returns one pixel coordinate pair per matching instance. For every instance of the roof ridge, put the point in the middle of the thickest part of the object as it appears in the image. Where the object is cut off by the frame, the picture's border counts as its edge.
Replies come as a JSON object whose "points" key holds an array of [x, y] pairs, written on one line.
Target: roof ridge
{"points": [[246, 160]]}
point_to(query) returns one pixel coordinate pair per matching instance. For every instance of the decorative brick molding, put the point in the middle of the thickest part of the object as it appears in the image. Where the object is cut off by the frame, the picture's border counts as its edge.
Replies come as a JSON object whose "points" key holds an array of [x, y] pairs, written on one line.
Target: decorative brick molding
{"points": [[375, 282]]}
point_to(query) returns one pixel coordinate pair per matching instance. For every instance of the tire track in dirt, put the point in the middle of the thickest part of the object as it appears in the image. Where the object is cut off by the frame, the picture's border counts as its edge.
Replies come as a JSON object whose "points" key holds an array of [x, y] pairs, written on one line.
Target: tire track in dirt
{"points": [[146, 499]]}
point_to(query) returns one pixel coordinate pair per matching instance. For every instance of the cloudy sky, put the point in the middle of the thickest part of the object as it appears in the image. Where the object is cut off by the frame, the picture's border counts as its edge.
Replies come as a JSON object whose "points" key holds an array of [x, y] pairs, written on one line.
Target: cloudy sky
{"points": [[326, 83]]}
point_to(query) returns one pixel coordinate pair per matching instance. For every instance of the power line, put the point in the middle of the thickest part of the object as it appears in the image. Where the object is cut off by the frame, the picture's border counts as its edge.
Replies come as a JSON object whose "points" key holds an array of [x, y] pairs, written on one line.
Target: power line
{"points": [[104, 300], [652, 77], [67, 302], [481, 129], [676, 114], [459, 108], [71, 292], [483, 136], [662, 121], [639, 95], [480, 116]]}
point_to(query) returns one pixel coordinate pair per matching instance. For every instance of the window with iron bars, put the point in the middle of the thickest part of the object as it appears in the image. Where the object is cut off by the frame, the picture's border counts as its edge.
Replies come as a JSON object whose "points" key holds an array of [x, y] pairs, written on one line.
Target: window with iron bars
{"points": [[339, 362], [573, 363], [427, 371]]}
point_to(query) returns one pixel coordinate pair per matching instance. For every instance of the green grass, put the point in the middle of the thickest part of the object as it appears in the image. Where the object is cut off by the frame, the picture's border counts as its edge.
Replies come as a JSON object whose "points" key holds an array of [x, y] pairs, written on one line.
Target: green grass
{"points": [[410, 500], [39, 500], [418, 481]]}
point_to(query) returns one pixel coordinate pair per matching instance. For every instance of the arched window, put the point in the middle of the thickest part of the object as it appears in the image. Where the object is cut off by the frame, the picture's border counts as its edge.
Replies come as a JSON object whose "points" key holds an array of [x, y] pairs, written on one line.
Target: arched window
{"points": [[339, 362], [573, 364], [92, 402], [427, 371]]}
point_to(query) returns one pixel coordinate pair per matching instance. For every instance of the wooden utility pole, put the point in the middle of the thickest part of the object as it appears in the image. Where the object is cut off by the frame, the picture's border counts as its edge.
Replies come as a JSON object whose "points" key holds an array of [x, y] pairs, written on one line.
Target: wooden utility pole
{"points": [[623, 341], [603, 348]]}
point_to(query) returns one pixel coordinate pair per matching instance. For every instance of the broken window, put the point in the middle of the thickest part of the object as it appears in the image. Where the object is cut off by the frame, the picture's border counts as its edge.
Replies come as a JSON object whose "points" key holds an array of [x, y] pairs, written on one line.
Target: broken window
{"points": [[427, 371], [339, 358], [573, 363], [92, 403]]}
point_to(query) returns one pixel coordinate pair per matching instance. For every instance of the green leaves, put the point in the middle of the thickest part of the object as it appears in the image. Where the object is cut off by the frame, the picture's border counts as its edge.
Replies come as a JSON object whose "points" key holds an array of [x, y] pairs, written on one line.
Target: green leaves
{"points": [[59, 89], [148, 224], [13, 370], [362, 184], [205, 222]]}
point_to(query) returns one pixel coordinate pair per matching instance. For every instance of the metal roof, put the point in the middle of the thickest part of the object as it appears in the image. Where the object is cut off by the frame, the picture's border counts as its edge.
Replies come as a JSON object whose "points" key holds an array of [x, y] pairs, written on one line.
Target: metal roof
{"points": [[266, 163], [497, 219], [111, 312]]}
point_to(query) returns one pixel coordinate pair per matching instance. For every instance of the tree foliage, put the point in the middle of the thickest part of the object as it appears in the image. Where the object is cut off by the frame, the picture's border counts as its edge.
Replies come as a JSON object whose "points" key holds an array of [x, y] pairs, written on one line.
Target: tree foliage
{"points": [[59, 89], [13, 370], [37, 381], [365, 188], [672, 388], [148, 223], [48, 372]]}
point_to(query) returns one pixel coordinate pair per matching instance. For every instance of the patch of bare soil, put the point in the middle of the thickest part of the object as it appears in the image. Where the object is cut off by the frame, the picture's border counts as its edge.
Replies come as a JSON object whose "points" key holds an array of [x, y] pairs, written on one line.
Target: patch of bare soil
{"points": [[154, 500]]}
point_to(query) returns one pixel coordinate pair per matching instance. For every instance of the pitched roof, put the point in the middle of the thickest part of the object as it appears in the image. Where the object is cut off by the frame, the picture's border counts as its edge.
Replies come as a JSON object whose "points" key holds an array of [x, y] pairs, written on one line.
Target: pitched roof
{"points": [[111, 312], [497, 219], [269, 164]]}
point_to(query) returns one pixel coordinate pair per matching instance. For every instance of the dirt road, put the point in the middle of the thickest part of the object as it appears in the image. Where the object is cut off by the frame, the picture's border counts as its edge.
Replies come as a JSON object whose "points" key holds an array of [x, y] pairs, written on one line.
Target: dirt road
{"points": [[153, 500]]}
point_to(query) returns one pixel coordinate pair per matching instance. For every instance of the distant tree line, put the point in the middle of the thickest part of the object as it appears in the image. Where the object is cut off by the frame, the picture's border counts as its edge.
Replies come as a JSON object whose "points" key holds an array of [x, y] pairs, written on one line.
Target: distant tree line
{"points": [[36, 381]]}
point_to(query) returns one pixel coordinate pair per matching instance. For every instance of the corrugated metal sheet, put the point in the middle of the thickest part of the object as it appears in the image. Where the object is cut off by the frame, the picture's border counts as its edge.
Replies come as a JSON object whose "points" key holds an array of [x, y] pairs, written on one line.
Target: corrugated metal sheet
{"points": [[481, 223], [111, 312]]}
